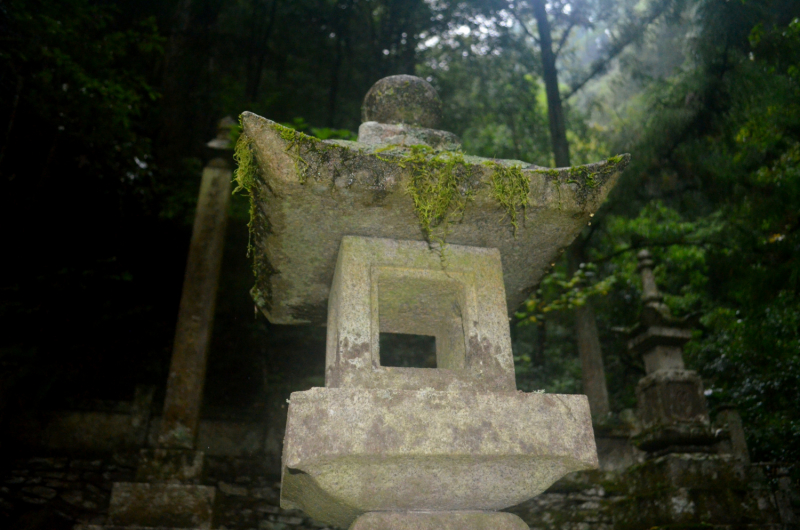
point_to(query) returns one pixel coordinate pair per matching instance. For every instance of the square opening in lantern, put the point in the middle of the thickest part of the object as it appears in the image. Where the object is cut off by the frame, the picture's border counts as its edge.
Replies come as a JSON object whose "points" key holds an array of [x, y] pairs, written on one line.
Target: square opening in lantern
{"points": [[427, 308]]}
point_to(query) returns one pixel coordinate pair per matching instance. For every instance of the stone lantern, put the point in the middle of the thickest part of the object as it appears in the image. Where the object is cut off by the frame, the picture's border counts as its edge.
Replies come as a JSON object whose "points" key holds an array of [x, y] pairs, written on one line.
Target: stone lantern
{"points": [[672, 407], [355, 236]]}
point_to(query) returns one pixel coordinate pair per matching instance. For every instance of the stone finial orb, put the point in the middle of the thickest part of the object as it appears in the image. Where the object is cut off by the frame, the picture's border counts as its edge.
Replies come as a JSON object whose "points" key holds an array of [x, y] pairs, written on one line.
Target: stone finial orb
{"points": [[405, 99]]}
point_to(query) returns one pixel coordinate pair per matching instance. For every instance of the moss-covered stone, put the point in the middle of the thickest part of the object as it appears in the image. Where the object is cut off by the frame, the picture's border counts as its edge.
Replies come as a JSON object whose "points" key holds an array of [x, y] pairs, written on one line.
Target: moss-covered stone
{"points": [[403, 99], [308, 193]]}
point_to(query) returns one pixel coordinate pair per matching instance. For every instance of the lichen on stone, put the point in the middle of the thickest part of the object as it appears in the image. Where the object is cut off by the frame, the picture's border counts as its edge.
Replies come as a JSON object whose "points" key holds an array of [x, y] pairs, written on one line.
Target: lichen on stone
{"points": [[296, 144]]}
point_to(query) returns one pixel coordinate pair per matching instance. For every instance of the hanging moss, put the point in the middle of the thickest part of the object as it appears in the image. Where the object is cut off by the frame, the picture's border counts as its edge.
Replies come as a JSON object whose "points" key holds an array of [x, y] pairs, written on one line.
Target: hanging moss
{"points": [[510, 188], [438, 186], [244, 177], [553, 174], [294, 142]]}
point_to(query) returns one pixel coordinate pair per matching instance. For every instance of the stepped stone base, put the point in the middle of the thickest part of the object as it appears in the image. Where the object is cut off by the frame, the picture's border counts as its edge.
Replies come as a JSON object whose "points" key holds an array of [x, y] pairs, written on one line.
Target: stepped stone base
{"points": [[351, 451], [466, 520]]}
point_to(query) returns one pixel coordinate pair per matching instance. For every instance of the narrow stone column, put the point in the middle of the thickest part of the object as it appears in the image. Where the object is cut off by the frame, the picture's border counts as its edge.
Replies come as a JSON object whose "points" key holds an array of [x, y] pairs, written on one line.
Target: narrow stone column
{"points": [[728, 418], [187, 370]]}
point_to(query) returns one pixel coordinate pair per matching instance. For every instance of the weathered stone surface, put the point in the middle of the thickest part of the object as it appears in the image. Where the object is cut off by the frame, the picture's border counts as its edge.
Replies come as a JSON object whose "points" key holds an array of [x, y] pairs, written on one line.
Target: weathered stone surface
{"points": [[349, 451], [187, 370], [170, 505], [438, 521], [310, 193], [373, 133], [382, 285], [663, 358], [655, 336], [672, 409], [403, 99], [729, 420], [579, 501], [177, 466]]}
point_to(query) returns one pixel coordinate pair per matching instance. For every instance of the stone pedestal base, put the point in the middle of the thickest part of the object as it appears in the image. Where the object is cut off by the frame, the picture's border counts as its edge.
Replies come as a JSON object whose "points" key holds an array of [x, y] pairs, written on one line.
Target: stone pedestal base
{"points": [[161, 505], [354, 451], [466, 520], [178, 466]]}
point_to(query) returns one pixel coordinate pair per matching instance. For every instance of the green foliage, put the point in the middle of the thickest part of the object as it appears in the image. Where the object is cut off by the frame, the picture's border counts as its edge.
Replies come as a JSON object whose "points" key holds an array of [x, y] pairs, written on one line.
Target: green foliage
{"points": [[551, 365], [84, 74], [717, 153], [750, 358], [557, 292], [493, 100]]}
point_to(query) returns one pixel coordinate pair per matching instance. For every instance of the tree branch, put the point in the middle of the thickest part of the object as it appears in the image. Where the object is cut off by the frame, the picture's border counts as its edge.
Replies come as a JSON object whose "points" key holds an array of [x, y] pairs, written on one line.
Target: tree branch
{"points": [[524, 27], [564, 37]]}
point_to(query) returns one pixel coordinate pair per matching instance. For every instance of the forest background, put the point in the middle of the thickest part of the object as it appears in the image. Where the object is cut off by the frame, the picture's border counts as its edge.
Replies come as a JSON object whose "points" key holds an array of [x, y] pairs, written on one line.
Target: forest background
{"points": [[105, 108]]}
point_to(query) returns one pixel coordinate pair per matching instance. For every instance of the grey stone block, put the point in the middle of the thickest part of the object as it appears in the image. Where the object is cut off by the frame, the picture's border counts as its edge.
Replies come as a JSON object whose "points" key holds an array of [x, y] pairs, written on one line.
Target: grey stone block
{"points": [[161, 505], [672, 409], [683, 489], [382, 285], [375, 133]]}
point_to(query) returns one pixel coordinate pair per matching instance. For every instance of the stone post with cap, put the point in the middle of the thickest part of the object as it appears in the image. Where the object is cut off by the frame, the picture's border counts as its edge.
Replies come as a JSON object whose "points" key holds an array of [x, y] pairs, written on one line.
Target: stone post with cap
{"points": [[168, 492]]}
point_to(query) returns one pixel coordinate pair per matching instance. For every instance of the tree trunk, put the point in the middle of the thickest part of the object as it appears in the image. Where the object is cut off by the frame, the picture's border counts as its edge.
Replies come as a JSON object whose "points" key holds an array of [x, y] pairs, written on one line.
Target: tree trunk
{"points": [[259, 46], [592, 370], [555, 112]]}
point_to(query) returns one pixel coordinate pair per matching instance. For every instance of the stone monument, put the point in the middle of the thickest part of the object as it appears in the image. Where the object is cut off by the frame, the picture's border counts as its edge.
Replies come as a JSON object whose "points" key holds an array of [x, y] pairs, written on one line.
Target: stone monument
{"points": [[693, 476], [401, 232], [672, 407]]}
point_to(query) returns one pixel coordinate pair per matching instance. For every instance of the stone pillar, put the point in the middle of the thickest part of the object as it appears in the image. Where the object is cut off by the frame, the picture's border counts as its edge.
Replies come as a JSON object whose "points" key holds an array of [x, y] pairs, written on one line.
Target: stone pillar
{"points": [[730, 421], [187, 370], [168, 491], [140, 413]]}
